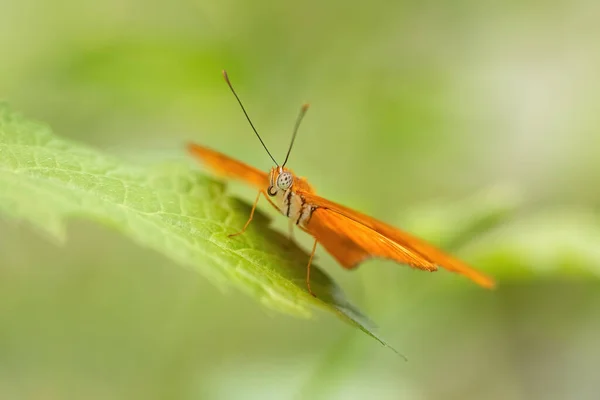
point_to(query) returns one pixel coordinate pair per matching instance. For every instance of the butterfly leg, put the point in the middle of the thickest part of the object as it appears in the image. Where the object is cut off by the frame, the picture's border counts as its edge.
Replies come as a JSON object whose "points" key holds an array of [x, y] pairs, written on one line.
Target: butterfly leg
{"points": [[249, 219], [314, 249]]}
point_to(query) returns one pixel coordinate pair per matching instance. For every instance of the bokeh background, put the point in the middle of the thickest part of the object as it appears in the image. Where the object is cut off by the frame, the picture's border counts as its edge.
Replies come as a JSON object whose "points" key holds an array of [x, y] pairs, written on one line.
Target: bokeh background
{"points": [[430, 115]]}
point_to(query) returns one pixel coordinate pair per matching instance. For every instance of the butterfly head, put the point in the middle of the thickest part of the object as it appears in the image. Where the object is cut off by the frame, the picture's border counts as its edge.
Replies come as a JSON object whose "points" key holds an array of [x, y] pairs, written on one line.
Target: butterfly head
{"points": [[281, 179]]}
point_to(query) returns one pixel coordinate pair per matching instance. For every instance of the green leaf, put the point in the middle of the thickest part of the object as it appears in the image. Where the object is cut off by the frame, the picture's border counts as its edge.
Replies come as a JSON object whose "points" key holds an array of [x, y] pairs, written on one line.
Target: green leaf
{"points": [[168, 207]]}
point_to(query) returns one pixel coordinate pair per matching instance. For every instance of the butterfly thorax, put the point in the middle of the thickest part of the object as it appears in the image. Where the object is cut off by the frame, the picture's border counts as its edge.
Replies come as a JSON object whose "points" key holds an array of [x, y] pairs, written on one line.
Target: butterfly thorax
{"points": [[284, 188]]}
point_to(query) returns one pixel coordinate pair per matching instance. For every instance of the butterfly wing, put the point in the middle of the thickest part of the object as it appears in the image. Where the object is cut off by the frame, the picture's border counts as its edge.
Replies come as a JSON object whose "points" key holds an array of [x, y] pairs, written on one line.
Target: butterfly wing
{"points": [[227, 167], [351, 242], [367, 232]]}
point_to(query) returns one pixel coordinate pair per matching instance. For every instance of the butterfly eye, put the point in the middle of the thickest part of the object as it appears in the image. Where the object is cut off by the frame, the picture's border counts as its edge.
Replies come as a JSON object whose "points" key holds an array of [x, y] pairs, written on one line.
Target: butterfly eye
{"points": [[285, 180]]}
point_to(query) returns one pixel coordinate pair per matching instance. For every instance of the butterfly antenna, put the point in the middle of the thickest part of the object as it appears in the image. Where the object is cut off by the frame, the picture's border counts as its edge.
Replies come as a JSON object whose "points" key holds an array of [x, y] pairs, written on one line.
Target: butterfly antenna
{"points": [[303, 111], [247, 117]]}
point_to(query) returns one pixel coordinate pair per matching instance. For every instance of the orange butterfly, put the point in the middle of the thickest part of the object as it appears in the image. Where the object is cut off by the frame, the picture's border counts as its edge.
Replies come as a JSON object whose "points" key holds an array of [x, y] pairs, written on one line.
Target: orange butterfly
{"points": [[348, 235]]}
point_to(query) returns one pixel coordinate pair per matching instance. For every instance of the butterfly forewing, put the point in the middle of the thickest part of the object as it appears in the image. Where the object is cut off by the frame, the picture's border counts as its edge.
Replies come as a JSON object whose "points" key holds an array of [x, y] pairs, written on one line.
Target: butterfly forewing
{"points": [[227, 167], [351, 242], [372, 228]]}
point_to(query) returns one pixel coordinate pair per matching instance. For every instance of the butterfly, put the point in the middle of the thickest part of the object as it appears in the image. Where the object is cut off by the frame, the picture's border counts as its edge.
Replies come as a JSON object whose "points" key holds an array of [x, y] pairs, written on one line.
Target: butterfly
{"points": [[349, 236]]}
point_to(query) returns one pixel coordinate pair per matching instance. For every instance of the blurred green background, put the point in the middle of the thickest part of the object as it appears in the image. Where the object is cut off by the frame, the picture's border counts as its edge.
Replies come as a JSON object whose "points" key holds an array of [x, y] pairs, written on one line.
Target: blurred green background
{"points": [[423, 114]]}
